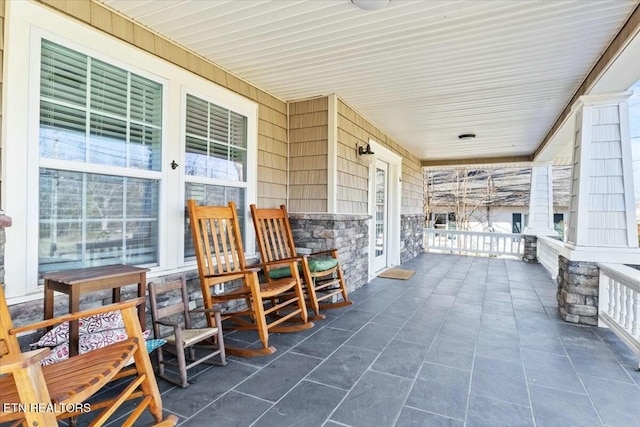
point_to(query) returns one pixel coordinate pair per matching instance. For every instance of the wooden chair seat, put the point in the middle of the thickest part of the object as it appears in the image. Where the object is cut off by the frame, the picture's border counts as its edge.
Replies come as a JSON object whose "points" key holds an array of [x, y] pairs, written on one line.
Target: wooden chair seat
{"points": [[76, 378], [268, 289], [192, 336]]}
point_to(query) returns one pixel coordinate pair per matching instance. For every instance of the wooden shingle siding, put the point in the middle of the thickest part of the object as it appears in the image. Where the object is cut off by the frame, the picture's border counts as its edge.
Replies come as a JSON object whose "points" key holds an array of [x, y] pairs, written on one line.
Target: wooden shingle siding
{"points": [[353, 172], [607, 220], [308, 139], [272, 112]]}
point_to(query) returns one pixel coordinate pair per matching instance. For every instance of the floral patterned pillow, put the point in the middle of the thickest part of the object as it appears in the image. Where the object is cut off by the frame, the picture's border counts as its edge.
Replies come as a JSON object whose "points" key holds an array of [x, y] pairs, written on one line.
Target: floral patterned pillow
{"points": [[86, 325], [87, 343]]}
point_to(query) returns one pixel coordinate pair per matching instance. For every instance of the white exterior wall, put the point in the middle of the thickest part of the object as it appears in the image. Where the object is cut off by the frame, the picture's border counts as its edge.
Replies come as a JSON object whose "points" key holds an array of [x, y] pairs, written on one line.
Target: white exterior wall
{"points": [[501, 217]]}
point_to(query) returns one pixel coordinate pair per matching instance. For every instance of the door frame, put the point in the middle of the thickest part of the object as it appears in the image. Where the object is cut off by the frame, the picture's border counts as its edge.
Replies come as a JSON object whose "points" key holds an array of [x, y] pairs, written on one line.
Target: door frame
{"points": [[394, 200]]}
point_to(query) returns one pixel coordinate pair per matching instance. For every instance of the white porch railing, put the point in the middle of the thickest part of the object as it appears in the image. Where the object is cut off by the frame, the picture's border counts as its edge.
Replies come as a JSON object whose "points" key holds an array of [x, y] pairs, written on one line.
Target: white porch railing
{"points": [[619, 302], [473, 242], [547, 252]]}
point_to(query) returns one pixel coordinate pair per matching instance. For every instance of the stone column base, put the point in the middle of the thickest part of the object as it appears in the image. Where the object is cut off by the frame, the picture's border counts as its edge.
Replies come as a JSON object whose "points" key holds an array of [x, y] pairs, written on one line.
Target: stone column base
{"points": [[578, 286], [530, 249]]}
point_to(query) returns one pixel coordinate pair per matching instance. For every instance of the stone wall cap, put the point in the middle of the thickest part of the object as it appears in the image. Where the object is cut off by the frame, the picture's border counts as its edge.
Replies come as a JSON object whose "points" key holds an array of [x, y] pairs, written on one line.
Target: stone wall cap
{"points": [[5, 221], [329, 216]]}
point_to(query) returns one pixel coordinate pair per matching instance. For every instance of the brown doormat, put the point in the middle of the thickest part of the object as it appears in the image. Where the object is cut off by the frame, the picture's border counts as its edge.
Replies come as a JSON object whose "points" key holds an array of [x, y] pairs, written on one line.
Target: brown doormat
{"points": [[397, 273]]}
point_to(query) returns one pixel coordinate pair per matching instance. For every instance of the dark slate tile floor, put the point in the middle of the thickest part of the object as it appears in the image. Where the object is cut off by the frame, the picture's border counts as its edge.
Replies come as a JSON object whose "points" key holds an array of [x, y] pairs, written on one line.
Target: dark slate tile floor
{"points": [[465, 342]]}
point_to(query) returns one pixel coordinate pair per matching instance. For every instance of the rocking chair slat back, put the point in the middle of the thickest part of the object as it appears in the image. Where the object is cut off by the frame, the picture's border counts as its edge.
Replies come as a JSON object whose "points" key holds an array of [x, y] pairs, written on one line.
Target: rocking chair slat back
{"points": [[219, 250]]}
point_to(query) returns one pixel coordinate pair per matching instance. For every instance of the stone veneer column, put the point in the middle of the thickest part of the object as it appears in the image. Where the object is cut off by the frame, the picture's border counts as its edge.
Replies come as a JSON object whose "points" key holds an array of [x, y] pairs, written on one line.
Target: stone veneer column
{"points": [[602, 220], [345, 232], [412, 236]]}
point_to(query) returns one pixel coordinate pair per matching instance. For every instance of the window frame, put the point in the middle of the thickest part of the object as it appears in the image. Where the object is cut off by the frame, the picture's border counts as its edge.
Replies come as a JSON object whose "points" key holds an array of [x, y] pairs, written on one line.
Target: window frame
{"points": [[29, 23], [85, 166], [251, 183]]}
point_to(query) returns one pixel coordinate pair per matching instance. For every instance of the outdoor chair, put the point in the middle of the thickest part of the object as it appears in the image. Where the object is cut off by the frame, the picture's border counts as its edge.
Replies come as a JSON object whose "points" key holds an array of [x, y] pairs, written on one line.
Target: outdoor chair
{"points": [[184, 338], [220, 255], [35, 395], [321, 270]]}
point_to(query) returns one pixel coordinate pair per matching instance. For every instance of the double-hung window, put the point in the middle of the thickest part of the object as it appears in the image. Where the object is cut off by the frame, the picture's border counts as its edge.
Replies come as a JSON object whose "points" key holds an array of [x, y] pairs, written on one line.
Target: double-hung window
{"points": [[103, 144], [215, 159], [100, 150]]}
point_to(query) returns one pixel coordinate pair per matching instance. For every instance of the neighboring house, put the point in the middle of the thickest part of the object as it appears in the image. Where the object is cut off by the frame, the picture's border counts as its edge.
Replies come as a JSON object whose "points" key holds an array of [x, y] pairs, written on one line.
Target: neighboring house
{"points": [[495, 200], [111, 128]]}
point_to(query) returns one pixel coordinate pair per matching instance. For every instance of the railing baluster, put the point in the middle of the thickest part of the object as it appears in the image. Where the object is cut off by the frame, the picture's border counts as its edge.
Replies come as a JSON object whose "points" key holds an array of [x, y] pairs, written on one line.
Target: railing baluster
{"points": [[629, 307], [615, 298], [621, 293], [611, 297], [635, 329]]}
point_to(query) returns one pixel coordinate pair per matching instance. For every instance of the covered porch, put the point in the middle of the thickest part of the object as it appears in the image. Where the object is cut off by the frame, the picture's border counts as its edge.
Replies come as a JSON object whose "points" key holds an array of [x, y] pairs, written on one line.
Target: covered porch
{"points": [[465, 341]]}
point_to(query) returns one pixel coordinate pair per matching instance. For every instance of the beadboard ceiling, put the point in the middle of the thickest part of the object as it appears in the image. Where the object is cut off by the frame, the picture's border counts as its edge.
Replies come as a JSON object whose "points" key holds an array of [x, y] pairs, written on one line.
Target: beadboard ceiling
{"points": [[423, 72]]}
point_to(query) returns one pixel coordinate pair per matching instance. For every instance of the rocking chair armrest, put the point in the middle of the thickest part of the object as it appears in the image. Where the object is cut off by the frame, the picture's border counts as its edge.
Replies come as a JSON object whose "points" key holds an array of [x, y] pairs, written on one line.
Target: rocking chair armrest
{"points": [[168, 323], [13, 362], [119, 306], [205, 310], [327, 251], [282, 261], [248, 270], [217, 313]]}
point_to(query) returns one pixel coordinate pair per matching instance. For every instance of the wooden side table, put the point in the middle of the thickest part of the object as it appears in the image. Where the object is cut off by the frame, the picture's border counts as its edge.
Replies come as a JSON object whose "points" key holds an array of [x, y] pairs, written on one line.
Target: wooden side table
{"points": [[91, 279]]}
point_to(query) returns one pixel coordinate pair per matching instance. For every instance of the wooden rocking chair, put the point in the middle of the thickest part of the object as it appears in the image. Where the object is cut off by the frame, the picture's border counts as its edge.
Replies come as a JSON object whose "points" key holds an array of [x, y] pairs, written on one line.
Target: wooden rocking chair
{"points": [[36, 395], [321, 271], [220, 255]]}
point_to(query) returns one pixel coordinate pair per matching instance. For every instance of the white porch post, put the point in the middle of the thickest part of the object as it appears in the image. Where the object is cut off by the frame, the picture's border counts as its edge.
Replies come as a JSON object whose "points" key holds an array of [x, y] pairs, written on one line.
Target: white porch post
{"points": [[541, 202], [602, 219]]}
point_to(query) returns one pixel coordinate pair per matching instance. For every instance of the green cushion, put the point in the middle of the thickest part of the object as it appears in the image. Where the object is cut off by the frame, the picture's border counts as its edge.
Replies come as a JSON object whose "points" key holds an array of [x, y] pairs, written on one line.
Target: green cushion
{"points": [[315, 265], [280, 273], [322, 264]]}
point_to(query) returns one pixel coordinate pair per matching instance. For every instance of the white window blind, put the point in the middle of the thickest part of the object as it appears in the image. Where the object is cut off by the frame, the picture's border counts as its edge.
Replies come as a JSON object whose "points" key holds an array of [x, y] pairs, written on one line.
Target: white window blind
{"points": [[92, 112], [216, 159]]}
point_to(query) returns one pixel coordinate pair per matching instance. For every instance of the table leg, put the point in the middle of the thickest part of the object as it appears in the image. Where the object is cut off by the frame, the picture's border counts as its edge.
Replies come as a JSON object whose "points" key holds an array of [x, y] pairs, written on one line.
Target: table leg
{"points": [[115, 293], [74, 307], [48, 302], [142, 290]]}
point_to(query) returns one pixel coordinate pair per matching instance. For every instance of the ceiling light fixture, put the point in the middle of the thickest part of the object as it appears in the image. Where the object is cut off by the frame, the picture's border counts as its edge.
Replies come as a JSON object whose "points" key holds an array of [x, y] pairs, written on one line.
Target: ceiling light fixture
{"points": [[371, 4], [466, 136]]}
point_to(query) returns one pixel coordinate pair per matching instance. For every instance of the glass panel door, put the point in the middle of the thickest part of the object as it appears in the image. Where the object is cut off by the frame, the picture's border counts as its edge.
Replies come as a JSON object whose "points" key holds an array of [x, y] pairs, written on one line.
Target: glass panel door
{"points": [[381, 215]]}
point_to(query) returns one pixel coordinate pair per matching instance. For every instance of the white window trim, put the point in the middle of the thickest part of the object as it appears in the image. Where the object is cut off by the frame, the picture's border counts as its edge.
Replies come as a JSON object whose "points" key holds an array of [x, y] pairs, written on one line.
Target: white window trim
{"points": [[26, 23]]}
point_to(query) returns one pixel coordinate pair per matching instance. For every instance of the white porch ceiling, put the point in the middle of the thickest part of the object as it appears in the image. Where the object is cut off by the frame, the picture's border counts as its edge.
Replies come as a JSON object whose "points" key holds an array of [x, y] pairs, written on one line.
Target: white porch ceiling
{"points": [[421, 71]]}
